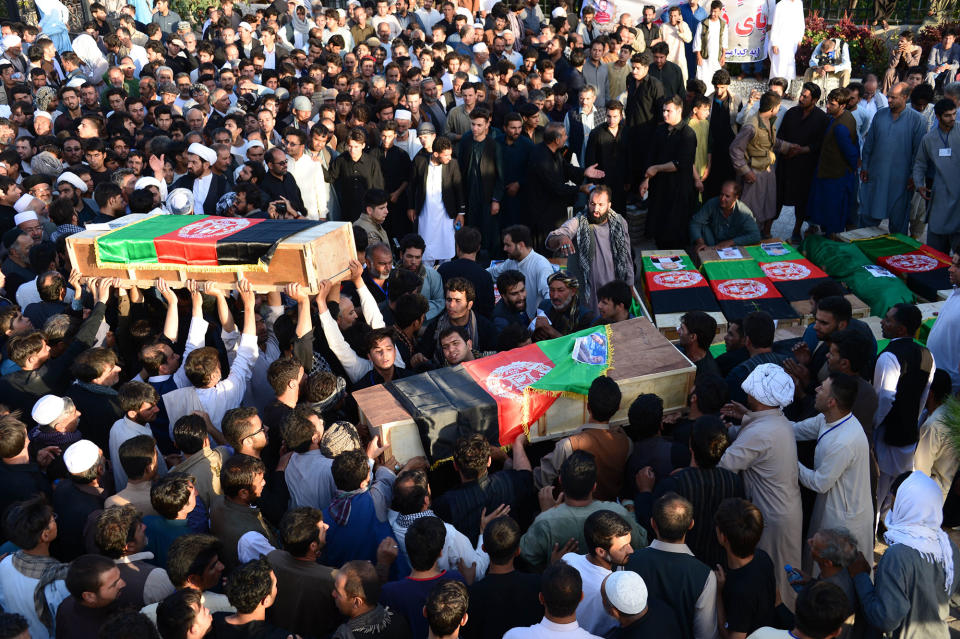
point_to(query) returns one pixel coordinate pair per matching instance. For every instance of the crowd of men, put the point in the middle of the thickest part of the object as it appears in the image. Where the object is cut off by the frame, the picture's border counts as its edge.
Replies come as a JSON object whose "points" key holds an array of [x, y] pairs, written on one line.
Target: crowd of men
{"points": [[189, 462]]}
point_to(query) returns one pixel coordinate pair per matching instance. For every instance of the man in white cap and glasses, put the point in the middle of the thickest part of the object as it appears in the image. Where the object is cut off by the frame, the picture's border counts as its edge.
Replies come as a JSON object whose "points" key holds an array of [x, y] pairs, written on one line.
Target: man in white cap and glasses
{"points": [[207, 188], [639, 615], [74, 500], [765, 451], [27, 220]]}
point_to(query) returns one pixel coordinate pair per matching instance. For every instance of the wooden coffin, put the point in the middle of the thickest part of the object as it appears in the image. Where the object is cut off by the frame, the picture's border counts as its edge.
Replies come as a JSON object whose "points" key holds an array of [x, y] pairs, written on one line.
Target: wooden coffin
{"points": [[651, 364], [308, 257], [804, 308]]}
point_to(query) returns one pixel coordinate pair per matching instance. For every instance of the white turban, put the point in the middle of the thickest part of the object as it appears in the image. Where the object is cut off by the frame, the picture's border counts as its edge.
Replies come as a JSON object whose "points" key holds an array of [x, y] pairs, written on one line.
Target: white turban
{"points": [[204, 152], [10, 40], [74, 179], [144, 182], [769, 384], [21, 206]]}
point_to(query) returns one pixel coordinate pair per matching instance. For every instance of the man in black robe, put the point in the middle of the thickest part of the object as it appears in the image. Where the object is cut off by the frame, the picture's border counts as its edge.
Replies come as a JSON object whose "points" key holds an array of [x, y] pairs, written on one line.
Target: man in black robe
{"points": [[803, 125]]}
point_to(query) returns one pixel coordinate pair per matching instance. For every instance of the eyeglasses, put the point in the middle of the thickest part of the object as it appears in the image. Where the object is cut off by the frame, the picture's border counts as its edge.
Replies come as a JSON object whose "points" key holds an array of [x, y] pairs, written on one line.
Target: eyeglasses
{"points": [[254, 433]]}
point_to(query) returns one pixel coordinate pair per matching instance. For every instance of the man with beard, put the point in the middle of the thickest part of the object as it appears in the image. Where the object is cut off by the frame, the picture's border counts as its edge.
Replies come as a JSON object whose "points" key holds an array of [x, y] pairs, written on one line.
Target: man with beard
{"points": [[379, 261], [512, 307], [803, 126], [597, 246], [515, 150], [460, 297], [563, 313], [518, 245], [607, 148], [207, 188], [608, 540]]}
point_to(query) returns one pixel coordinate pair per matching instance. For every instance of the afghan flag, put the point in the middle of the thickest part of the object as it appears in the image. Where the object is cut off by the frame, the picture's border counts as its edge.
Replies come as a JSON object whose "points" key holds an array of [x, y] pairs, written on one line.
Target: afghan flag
{"points": [[794, 278], [505, 394], [674, 285], [742, 287], [196, 241], [773, 252], [924, 268]]}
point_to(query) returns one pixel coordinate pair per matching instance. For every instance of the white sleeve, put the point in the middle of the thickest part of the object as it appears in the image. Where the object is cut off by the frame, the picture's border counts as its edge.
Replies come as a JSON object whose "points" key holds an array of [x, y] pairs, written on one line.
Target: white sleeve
{"points": [[807, 429], [231, 341], [697, 38], [457, 546], [353, 365], [368, 305], [885, 379], [705, 611], [253, 545], [233, 388], [196, 338]]}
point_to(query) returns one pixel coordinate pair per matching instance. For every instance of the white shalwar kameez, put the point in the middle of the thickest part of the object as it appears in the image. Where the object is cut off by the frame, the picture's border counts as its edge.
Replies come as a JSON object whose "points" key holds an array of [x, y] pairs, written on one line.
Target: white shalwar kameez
{"points": [[785, 34], [435, 226], [711, 63], [841, 478]]}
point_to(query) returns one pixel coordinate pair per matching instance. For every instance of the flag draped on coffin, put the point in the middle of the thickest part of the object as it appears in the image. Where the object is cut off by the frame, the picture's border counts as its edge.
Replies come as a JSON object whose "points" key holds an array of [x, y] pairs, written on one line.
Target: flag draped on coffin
{"points": [[875, 285], [791, 273], [525, 382], [501, 395], [742, 287], [196, 240], [674, 285], [924, 268]]}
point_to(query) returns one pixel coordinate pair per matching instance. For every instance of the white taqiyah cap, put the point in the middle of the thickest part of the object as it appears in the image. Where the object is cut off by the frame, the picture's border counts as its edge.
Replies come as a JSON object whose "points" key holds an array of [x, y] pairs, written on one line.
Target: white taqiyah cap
{"points": [[47, 409], [81, 456], [626, 592], [21, 206], [402, 114]]}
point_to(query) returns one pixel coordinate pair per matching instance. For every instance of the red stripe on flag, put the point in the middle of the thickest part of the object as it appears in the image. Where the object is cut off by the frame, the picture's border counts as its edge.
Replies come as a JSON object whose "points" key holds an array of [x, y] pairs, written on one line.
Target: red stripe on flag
{"points": [[196, 243], [791, 270], [506, 377], [919, 261], [673, 280], [744, 289]]}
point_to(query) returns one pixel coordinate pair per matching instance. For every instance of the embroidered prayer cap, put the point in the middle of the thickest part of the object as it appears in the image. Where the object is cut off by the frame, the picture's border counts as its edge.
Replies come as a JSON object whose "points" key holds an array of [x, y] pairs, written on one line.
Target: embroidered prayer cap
{"points": [[21, 207], [252, 144], [302, 103], [769, 384], [42, 114], [480, 47], [47, 409], [559, 12], [74, 180], [338, 438], [180, 201], [246, 26], [81, 456], [204, 152], [626, 591], [373, 42], [402, 114]]}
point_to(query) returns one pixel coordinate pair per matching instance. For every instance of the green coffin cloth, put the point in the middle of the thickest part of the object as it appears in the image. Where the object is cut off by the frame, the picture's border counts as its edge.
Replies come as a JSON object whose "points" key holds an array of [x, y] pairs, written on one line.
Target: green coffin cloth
{"points": [[838, 259]]}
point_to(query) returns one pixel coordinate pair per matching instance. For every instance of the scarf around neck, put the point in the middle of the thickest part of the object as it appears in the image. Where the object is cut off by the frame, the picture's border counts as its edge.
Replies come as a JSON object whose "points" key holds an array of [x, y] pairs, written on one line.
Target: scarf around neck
{"points": [[915, 521], [46, 570], [586, 241], [341, 505]]}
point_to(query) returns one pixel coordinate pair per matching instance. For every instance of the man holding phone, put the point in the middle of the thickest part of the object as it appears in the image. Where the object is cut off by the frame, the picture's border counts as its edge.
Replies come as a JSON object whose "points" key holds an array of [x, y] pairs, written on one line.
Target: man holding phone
{"points": [[281, 185]]}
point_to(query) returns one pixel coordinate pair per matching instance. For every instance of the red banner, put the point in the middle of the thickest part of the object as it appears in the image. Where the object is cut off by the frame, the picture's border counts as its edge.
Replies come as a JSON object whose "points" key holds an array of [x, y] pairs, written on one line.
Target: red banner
{"points": [[506, 377]]}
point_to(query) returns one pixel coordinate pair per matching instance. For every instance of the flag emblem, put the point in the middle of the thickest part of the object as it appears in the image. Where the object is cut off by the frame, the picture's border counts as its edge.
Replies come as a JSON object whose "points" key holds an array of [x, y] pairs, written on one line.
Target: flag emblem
{"points": [[742, 289], [677, 279], [911, 262], [785, 270], [213, 228], [510, 380]]}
